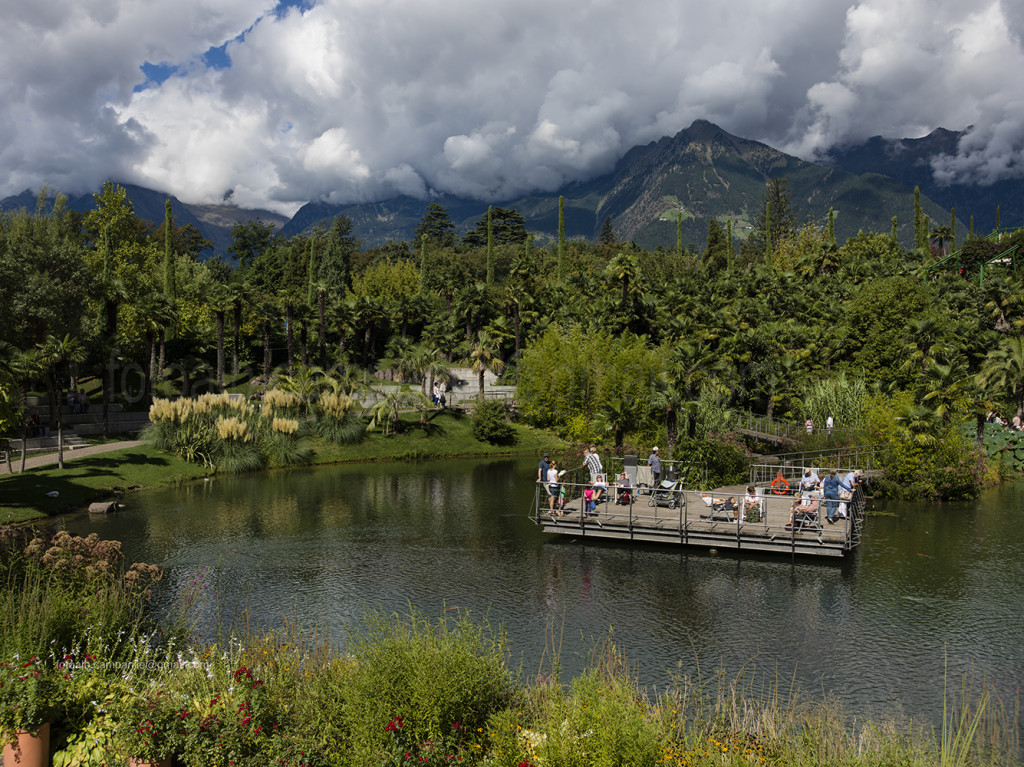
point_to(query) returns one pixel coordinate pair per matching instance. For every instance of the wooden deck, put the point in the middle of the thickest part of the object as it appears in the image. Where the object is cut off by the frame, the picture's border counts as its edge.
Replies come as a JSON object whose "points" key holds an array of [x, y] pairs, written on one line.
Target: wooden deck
{"points": [[688, 524]]}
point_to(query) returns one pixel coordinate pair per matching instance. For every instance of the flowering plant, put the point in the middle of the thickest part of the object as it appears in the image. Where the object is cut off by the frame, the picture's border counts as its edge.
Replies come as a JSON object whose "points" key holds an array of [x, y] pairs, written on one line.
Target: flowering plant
{"points": [[148, 724], [430, 752], [236, 726], [26, 695]]}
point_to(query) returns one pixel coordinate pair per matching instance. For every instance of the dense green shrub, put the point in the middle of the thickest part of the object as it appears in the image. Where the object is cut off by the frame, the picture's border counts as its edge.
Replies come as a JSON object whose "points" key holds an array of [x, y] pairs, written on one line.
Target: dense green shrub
{"points": [[491, 423], [443, 681]]}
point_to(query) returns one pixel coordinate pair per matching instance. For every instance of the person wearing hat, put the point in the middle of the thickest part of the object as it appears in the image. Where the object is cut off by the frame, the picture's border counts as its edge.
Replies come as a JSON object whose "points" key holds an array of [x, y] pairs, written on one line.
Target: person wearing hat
{"points": [[655, 463]]}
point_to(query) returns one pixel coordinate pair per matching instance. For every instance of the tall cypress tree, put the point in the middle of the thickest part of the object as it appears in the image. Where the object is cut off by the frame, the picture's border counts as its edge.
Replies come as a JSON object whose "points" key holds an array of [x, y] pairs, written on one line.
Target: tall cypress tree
{"points": [[892, 232], [561, 238], [490, 245], [730, 250], [952, 229], [830, 233], [926, 233], [423, 264], [997, 218], [768, 235], [313, 271], [918, 219], [170, 289], [970, 234], [679, 234]]}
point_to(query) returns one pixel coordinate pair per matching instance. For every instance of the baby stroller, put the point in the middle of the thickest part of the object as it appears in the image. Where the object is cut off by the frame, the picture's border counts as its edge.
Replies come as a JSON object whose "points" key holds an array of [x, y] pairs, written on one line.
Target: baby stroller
{"points": [[668, 493]]}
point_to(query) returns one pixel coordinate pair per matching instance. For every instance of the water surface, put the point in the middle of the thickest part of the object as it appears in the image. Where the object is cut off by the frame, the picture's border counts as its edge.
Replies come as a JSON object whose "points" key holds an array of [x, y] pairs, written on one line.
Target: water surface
{"points": [[930, 583]]}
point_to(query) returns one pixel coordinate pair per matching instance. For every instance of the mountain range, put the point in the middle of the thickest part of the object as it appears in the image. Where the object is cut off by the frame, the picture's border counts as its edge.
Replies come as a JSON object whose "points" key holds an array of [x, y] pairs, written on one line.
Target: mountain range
{"points": [[702, 172]]}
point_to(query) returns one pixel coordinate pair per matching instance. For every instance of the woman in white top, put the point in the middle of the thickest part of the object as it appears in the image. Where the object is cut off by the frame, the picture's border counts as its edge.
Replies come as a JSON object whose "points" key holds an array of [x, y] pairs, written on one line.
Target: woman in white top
{"points": [[553, 485]]}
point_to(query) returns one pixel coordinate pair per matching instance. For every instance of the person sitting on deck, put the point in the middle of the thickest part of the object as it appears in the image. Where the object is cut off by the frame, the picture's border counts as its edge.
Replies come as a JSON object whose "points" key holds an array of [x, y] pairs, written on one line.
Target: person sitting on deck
{"points": [[624, 489], [809, 481], [805, 508], [600, 489], [751, 506], [720, 505]]}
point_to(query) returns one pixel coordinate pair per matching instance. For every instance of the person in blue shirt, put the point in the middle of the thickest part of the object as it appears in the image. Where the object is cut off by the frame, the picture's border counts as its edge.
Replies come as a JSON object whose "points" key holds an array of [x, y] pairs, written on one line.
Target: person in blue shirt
{"points": [[655, 463], [831, 487]]}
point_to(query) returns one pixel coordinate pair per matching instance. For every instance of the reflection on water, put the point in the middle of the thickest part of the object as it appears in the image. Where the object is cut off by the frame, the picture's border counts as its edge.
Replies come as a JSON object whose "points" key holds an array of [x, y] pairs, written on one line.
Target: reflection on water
{"points": [[929, 582]]}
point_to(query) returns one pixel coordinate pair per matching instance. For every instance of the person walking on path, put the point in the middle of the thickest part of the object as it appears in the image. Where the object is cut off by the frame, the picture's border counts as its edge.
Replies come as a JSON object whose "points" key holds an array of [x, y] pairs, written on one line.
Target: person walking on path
{"points": [[829, 424], [654, 462]]}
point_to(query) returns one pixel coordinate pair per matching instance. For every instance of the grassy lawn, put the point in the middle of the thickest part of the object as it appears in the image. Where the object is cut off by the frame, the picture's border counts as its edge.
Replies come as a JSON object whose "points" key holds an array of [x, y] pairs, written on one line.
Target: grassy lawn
{"points": [[84, 480], [446, 434], [93, 478]]}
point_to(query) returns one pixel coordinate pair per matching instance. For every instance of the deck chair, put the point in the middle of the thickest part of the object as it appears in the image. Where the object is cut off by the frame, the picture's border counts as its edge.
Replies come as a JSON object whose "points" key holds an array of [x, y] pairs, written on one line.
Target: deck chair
{"points": [[718, 510], [807, 520]]}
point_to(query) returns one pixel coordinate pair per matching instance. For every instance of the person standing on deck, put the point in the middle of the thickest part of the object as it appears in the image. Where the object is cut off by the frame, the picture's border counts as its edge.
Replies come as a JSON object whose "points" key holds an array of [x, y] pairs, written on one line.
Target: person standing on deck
{"points": [[831, 487], [655, 463], [593, 463], [543, 470]]}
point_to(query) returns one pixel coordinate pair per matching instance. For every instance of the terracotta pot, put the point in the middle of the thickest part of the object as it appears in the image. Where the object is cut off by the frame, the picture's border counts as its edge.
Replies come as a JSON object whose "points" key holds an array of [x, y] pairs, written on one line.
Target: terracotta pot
{"points": [[31, 750], [146, 763]]}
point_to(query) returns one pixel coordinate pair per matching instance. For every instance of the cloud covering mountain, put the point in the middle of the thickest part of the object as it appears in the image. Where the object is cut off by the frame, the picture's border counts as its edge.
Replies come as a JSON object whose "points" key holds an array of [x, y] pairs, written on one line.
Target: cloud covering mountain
{"points": [[359, 100]]}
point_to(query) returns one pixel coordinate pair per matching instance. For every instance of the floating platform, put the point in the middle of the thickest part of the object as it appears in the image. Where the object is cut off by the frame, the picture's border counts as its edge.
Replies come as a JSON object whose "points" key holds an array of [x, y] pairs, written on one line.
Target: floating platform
{"points": [[682, 517]]}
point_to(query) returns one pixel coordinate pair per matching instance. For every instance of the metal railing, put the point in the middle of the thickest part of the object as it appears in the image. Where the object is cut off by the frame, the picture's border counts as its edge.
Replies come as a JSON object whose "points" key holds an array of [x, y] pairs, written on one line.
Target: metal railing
{"points": [[761, 424], [791, 466], [691, 473], [684, 516]]}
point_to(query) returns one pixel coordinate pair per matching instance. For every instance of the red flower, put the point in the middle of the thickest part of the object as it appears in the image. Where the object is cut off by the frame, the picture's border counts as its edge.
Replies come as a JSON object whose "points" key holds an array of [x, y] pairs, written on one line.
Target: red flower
{"points": [[455, 726]]}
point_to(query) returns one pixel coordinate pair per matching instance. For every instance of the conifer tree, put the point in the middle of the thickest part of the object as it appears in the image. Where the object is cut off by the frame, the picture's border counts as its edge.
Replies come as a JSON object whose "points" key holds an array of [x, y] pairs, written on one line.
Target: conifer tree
{"points": [[423, 264], [830, 233], [730, 250], [952, 230], [768, 234], [313, 272], [918, 219], [970, 234], [170, 289], [997, 218], [926, 233], [892, 232], [561, 238], [607, 236], [490, 245], [679, 234]]}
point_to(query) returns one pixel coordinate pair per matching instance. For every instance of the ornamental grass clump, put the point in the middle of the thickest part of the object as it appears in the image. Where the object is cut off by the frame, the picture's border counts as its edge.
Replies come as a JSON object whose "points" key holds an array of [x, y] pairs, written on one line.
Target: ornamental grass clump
{"points": [[335, 419]]}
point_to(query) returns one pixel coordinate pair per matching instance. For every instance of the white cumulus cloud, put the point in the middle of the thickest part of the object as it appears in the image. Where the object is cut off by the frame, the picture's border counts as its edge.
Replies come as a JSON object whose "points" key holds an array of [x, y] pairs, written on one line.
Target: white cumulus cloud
{"points": [[359, 100]]}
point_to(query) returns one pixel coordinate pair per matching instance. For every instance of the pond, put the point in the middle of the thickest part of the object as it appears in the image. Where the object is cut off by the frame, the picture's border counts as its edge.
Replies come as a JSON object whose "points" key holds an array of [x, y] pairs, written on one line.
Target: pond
{"points": [[930, 584]]}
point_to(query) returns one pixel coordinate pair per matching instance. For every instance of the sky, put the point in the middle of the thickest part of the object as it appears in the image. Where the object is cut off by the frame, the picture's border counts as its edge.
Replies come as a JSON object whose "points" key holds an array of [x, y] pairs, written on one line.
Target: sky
{"points": [[272, 104]]}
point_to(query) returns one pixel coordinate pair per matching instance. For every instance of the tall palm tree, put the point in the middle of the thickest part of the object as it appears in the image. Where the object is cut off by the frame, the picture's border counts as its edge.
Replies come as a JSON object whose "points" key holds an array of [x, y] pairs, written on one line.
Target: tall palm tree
{"points": [[57, 354], [220, 301], [482, 356]]}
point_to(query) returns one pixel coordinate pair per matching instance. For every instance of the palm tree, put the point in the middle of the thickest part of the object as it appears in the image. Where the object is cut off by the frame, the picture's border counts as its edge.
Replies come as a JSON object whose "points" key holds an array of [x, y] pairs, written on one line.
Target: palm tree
{"points": [[482, 357], [57, 353], [221, 301], [384, 413], [1003, 369]]}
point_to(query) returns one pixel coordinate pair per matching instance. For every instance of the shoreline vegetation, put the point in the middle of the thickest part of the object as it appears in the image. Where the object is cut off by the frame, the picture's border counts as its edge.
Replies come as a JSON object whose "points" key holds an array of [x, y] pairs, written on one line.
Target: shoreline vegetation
{"points": [[84, 650]]}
